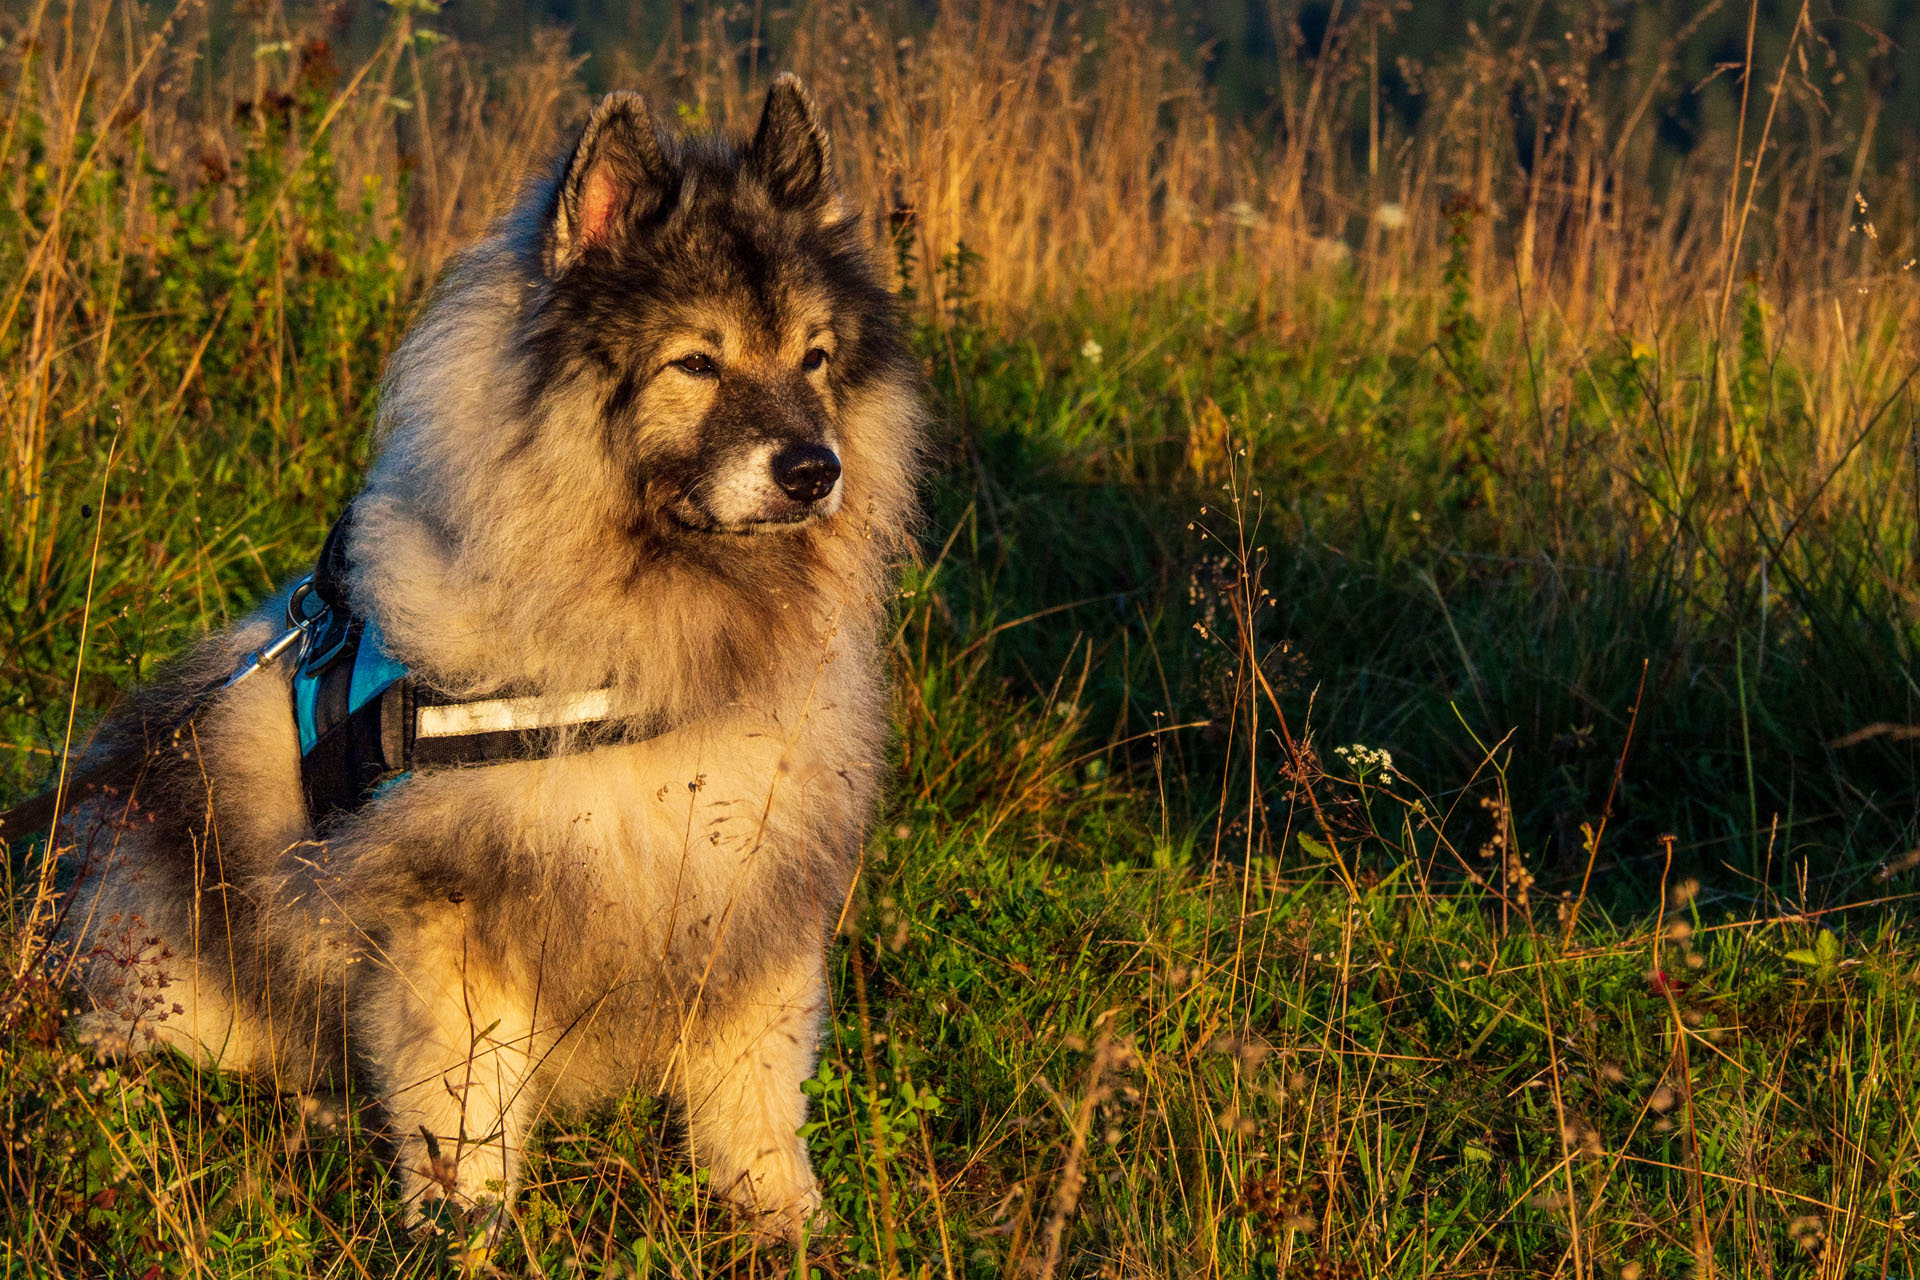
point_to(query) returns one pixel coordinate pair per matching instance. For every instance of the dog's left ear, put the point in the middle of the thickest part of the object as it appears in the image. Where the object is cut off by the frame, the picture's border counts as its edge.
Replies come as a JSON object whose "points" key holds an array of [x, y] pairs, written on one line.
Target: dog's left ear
{"points": [[790, 148]]}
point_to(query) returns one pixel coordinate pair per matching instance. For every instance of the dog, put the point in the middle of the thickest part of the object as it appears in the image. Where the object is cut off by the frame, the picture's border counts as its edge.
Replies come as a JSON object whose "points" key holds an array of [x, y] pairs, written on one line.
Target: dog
{"points": [[644, 460]]}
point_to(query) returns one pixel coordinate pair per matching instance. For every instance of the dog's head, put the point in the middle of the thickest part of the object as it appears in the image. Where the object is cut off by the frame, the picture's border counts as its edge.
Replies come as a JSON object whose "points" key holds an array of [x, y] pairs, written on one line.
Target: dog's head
{"points": [[713, 305], [674, 341]]}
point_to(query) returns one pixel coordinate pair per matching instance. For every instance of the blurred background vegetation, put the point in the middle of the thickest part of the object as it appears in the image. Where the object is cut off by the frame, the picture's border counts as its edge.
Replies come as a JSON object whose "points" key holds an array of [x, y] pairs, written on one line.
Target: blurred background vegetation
{"points": [[1857, 57]]}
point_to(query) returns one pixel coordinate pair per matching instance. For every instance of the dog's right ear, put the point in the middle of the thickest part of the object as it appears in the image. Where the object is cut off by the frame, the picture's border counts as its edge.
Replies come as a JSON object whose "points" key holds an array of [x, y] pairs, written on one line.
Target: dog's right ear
{"points": [[617, 171]]}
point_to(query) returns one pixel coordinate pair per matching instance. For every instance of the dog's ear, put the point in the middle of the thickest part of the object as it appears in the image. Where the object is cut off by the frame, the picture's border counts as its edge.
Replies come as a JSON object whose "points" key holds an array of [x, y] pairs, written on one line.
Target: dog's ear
{"points": [[790, 148], [616, 170]]}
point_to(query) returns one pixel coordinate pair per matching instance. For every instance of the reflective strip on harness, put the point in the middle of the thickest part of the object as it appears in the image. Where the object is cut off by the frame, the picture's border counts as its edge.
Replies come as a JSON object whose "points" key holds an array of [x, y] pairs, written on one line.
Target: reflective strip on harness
{"points": [[500, 715], [365, 722]]}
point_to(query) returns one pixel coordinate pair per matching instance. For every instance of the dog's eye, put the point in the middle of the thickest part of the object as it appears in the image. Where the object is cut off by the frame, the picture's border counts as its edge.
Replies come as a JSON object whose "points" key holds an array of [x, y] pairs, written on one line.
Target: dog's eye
{"points": [[814, 359], [699, 364]]}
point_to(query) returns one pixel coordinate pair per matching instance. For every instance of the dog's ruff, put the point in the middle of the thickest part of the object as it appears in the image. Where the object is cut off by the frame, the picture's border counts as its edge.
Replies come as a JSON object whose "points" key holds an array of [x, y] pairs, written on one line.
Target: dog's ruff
{"points": [[671, 341]]}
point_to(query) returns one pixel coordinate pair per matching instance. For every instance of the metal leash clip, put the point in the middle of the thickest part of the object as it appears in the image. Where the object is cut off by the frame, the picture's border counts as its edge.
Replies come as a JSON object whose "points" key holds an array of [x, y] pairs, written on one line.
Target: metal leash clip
{"points": [[300, 629]]}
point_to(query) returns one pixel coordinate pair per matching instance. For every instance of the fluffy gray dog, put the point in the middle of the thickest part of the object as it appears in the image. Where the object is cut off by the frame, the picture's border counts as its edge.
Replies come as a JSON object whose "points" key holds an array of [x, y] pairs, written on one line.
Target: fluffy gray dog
{"points": [[643, 463]]}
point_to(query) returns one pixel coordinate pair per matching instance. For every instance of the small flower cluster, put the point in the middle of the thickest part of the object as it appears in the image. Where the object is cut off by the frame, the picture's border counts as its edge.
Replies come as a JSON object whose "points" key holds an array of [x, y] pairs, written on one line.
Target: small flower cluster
{"points": [[1365, 761]]}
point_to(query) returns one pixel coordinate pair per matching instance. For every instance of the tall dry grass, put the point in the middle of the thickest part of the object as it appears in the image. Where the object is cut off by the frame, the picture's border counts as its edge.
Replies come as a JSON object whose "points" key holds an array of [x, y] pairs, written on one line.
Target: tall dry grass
{"points": [[1074, 150]]}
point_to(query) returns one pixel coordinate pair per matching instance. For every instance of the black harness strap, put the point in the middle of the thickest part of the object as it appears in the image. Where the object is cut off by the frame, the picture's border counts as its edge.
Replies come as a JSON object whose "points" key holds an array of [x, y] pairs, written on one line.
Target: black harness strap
{"points": [[356, 750]]}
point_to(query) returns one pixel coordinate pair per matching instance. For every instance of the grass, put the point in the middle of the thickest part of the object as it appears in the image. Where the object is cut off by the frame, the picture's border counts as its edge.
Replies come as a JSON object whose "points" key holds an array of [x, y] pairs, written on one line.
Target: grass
{"points": [[1403, 749]]}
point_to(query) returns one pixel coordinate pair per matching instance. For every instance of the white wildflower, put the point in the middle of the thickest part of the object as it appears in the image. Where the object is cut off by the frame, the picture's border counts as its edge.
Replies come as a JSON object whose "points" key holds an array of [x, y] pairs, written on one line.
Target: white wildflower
{"points": [[1391, 216], [1091, 351], [1366, 761]]}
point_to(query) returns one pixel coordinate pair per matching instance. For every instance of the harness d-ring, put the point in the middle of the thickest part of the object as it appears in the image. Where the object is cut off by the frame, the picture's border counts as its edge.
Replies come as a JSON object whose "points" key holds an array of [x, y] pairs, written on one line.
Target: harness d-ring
{"points": [[300, 625], [296, 603]]}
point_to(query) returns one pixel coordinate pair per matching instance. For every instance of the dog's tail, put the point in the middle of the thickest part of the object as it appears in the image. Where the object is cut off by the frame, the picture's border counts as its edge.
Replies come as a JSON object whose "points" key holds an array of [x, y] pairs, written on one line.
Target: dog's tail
{"points": [[146, 734], [100, 778], [115, 772]]}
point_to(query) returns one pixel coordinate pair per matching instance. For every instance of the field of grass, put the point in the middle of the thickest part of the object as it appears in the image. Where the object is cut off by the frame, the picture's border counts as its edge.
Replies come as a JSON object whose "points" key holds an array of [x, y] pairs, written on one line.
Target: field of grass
{"points": [[1406, 697]]}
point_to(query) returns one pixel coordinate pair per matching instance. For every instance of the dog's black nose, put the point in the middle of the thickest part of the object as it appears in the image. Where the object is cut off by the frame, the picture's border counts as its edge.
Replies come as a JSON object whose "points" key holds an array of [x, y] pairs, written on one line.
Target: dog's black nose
{"points": [[806, 472]]}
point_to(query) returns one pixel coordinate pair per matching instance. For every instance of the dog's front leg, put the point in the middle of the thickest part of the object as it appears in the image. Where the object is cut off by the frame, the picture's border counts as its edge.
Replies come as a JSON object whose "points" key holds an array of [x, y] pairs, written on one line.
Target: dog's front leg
{"points": [[451, 1052], [741, 1093]]}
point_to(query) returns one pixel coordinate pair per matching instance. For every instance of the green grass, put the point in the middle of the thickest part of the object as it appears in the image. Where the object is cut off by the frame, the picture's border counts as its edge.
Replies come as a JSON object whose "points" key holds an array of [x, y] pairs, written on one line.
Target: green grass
{"points": [[1265, 1074], [1611, 974]]}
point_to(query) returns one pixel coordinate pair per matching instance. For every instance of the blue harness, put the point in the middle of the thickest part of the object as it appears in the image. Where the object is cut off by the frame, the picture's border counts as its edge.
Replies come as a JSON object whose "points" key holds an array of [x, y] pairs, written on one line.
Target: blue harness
{"points": [[355, 708], [366, 721], [373, 672]]}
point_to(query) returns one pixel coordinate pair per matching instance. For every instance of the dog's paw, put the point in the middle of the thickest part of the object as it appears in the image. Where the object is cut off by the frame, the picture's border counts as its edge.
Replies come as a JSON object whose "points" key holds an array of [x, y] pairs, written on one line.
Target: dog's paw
{"points": [[467, 1223], [781, 1211], [801, 1216], [448, 1197]]}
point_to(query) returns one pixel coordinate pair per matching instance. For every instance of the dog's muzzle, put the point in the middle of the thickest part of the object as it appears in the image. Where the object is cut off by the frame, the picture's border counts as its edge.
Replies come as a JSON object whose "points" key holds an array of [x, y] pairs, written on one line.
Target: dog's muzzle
{"points": [[774, 485]]}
